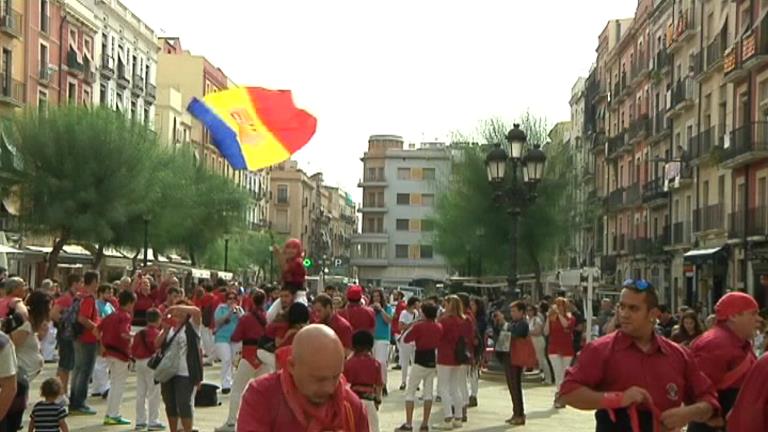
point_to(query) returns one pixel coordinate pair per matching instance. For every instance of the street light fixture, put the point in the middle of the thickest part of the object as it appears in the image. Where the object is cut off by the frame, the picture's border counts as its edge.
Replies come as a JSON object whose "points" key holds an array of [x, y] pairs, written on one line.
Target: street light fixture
{"points": [[147, 218], [514, 179]]}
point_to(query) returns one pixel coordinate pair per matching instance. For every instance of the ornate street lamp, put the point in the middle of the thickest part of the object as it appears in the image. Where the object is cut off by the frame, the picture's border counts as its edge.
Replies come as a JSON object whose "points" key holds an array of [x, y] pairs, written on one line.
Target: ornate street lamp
{"points": [[514, 178]]}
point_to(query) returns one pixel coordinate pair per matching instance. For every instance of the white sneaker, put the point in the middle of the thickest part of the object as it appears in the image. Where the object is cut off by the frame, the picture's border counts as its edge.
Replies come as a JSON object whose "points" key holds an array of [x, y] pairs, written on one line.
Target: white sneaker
{"points": [[226, 427], [446, 425], [457, 424]]}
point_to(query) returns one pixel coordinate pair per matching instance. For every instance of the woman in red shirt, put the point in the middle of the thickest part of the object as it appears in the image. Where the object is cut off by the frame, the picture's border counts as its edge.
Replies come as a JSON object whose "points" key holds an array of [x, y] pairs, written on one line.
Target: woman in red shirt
{"points": [[449, 363], [559, 328]]}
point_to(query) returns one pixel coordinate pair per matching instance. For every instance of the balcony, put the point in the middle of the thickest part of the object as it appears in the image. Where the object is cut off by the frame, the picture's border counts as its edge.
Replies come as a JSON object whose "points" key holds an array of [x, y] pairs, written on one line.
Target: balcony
{"points": [[632, 196], [372, 181], [601, 91], [714, 55], [639, 129], [654, 194], [748, 143], [662, 61], [678, 175], [621, 247], [373, 207], [138, 85], [89, 75], [682, 29], [640, 246], [11, 23], [616, 144], [756, 223], [681, 233], [608, 264], [74, 65], [754, 46], [696, 64], [682, 96], [708, 218], [702, 144], [664, 239], [732, 70], [45, 76], [107, 66], [598, 141], [615, 199], [11, 91], [640, 69], [661, 126], [123, 81], [151, 94]]}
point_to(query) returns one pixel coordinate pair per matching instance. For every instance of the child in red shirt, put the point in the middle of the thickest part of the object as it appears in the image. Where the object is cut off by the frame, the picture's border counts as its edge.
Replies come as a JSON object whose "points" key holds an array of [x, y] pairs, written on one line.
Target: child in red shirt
{"points": [[291, 261], [115, 332], [363, 373], [147, 390]]}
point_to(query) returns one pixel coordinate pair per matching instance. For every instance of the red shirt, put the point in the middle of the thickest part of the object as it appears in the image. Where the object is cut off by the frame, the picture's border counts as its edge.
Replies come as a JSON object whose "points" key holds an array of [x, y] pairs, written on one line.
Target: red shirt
{"points": [[247, 303], [143, 302], [113, 327], [264, 408], [363, 370], [561, 338], [88, 310], [453, 328], [719, 351], [250, 328], [64, 302], [342, 328], [750, 412], [143, 346], [399, 307], [294, 272], [426, 335], [359, 317], [667, 371]]}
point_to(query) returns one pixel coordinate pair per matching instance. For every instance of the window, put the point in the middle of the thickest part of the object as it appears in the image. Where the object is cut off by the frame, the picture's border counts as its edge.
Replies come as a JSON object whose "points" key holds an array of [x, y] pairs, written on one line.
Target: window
{"points": [[402, 224], [427, 225], [44, 61], [72, 92], [7, 68], [425, 251], [87, 42], [282, 194], [86, 97], [404, 173], [42, 101], [403, 199], [428, 174], [401, 251], [428, 200], [103, 95], [282, 221], [73, 39], [147, 117], [44, 17]]}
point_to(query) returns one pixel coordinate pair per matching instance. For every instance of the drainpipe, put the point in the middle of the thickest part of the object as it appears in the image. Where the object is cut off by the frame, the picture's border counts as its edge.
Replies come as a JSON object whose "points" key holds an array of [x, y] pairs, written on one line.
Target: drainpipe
{"points": [[62, 60], [748, 117]]}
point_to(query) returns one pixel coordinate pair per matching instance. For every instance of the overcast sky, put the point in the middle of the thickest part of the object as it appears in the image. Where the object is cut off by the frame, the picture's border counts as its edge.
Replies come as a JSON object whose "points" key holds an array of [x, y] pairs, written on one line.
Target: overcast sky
{"points": [[417, 68]]}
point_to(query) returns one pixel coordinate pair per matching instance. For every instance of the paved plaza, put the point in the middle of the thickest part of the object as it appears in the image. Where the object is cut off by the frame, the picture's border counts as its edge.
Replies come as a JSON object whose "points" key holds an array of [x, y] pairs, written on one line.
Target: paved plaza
{"points": [[494, 408]]}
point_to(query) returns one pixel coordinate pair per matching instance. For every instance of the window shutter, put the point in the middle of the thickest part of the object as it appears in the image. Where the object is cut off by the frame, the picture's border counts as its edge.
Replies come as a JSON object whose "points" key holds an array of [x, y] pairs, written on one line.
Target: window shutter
{"points": [[417, 174], [415, 199]]}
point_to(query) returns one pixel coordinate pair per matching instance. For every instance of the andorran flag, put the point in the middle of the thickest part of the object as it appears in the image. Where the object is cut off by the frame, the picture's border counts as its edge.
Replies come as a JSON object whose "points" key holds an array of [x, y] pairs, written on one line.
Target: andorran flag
{"points": [[254, 127]]}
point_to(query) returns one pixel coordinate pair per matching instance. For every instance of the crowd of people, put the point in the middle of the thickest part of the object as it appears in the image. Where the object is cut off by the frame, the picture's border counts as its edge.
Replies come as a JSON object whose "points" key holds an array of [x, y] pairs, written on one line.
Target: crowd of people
{"points": [[292, 361]]}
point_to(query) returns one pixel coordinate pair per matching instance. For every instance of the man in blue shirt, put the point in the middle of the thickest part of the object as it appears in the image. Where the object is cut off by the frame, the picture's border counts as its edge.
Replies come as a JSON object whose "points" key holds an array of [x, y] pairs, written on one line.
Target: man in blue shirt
{"points": [[383, 331], [226, 317]]}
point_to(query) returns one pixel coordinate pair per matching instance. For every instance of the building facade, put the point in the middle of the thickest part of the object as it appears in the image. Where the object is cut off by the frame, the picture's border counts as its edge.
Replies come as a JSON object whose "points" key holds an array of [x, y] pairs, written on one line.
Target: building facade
{"points": [[399, 187], [680, 150]]}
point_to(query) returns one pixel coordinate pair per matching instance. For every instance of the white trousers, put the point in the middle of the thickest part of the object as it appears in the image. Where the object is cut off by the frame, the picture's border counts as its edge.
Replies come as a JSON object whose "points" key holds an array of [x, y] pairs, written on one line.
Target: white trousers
{"points": [[559, 365], [244, 374], [100, 383], [147, 394], [463, 390], [225, 351], [406, 357], [539, 344], [209, 348], [48, 344], [118, 375], [474, 381], [381, 353], [450, 381], [373, 415], [425, 377]]}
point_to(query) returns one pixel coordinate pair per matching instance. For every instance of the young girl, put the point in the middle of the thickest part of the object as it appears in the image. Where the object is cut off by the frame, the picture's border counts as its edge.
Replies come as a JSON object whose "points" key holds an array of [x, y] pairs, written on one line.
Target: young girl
{"points": [[47, 415], [291, 261]]}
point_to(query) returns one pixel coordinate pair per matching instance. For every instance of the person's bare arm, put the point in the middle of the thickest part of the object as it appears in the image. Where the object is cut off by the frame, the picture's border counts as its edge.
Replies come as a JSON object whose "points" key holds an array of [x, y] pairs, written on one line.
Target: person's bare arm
{"points": [[676, 418], [587, 399], [279, 257], [7, 392], [19, 337], [63, 425], [55, 313], [192, 311]]}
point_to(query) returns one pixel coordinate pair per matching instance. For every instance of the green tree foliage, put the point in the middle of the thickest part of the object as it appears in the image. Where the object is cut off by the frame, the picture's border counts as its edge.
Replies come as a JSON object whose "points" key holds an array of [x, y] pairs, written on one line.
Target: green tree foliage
{"points": [[248, 252], [469, 225], [85, 173]]}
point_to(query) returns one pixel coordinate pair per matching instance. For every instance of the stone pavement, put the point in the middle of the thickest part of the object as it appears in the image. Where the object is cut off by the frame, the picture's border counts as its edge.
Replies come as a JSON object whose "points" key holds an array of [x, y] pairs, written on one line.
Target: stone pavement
{"points": [[494, 408]]}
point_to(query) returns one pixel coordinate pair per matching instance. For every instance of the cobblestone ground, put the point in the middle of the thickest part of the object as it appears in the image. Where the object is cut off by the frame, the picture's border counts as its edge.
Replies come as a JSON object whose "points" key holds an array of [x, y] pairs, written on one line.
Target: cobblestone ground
{"points": [[489, 416]]}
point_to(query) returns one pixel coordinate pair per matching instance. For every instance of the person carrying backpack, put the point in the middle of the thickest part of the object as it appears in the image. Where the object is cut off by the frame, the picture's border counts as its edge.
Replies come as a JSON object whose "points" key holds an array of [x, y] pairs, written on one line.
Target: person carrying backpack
{"points": [[66, 344], [452, 354], [86, 345]]}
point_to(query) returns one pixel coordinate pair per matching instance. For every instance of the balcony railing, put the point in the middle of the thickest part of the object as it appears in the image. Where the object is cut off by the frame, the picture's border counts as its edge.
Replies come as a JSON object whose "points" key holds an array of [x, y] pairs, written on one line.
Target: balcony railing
{"points": [[660, 123], [682, 27], [640, 246], [11, 90], [73, 62], [138, 83], [639, 128], [632, 195], [662, 60], [732, 60], [682, 92], [616, 143], [754, 45], [751, 137], [714, 53], [615, 199], [703, 142], [640, 66], [122, 75], [697, 63], [89, 73], [608, 264], [710, 217], [151, 92], [11, 23], [681, 233], [654, 190], [107, 65], [756, 223], [664, 238]]}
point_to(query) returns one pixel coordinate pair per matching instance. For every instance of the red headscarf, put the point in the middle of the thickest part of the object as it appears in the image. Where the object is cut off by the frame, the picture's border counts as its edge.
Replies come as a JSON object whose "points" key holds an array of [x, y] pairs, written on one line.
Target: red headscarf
{"points": [[294, 271], [334, 415]]}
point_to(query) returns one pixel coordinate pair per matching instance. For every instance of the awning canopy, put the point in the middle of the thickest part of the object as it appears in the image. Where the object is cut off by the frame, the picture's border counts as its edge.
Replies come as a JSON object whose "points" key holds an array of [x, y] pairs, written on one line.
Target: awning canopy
{"points": [[8, 249], [699, 256]]}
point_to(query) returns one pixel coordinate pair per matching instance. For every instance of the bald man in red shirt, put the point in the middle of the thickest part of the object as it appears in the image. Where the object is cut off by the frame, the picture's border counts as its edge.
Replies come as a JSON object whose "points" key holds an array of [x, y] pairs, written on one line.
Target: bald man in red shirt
{"points": [[635, 379]]}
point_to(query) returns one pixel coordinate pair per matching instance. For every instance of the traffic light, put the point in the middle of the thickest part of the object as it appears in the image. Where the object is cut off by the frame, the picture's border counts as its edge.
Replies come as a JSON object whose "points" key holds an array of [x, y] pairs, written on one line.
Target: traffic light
{"points": [[308, 263]]}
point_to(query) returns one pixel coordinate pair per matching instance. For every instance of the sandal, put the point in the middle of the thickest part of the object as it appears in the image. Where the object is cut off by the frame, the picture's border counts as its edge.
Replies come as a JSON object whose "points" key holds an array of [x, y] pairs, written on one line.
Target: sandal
{"points": [[404, 428], [424, 428]]}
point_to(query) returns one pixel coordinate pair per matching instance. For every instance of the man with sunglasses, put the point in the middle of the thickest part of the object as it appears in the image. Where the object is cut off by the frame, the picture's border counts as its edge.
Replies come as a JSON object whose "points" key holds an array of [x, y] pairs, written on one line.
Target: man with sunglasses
{"points": [[635, 379]]}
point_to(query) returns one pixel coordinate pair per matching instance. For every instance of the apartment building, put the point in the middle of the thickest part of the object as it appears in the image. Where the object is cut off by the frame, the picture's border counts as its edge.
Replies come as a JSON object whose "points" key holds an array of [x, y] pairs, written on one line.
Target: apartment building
{"points": [[126, 50], [399, 187], [700, 161], [12, 86]]}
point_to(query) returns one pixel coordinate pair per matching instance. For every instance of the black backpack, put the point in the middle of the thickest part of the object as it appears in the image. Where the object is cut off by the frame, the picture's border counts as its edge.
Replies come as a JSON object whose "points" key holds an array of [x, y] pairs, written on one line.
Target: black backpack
{"points": [[207, 315], [461, 353]]}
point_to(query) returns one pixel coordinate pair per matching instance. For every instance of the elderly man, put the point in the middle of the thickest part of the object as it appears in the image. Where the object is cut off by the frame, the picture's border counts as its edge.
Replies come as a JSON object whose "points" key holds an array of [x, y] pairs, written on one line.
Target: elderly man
{"points": [[309, 395]]}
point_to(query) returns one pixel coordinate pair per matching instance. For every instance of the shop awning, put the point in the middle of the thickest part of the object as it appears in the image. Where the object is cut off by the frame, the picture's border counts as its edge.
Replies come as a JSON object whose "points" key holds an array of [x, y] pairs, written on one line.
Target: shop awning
{"points": [[8, 249], [698, 256]]}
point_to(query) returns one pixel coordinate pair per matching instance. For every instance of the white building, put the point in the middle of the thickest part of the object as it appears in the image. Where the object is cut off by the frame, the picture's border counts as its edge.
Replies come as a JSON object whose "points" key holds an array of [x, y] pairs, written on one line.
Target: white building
{"points": [[126, 51]]}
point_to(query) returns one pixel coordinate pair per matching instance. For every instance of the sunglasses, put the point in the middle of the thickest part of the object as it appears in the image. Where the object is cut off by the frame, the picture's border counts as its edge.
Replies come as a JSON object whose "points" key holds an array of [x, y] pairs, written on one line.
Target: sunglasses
{"points": [[231, 298], [638, 284]]}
